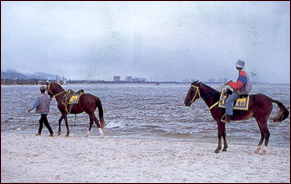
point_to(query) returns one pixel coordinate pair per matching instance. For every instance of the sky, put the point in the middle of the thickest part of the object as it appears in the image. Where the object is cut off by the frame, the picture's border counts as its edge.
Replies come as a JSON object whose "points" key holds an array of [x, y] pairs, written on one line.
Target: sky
{"points": [[159, 41]]}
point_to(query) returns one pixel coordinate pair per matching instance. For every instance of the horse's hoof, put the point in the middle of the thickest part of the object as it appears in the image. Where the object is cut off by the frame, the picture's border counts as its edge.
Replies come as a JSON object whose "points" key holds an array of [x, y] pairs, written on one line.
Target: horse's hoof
{"points": [[216, 151], [67, 135], [86, 135], [264, 151], [59, 133], [257, 151], [224, 149]]}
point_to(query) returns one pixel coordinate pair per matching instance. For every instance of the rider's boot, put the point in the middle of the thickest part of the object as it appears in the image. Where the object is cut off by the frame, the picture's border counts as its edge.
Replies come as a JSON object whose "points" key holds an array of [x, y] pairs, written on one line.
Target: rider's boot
{"points": [[227, 119]]}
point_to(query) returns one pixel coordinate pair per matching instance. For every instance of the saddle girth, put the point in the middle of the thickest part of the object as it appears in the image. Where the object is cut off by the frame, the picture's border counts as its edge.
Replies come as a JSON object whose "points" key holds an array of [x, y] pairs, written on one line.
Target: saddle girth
{"points": [[71, 98]]}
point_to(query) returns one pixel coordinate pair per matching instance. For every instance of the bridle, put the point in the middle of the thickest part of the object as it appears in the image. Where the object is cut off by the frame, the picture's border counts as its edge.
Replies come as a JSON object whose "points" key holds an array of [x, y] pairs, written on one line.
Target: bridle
{"points": [[197, 92], [49, 91]]}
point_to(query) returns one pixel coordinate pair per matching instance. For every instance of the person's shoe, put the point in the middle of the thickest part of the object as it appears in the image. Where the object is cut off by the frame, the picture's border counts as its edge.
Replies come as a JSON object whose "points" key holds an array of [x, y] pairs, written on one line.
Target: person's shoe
{"points": [[227, 119]]}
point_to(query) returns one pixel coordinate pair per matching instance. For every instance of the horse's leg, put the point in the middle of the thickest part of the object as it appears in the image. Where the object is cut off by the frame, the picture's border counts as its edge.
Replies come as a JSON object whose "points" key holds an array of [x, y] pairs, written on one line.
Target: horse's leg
{"points": [[92, 120], [66, 122], [225, 146], [98, 125], [101, 133], [91, 124], [219, 130], [260, 143], [60, 121], [265, 134]]}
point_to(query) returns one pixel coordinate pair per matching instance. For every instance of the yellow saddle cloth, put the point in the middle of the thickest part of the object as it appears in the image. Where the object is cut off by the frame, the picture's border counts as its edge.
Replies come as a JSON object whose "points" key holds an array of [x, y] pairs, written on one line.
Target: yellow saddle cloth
{"points": [[72, 97], [240, 104]]}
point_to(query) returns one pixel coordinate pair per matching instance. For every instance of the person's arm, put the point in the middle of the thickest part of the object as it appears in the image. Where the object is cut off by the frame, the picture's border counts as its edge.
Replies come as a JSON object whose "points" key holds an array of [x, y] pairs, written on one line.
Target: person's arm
{"points": [[241, 81], [36, 104]]}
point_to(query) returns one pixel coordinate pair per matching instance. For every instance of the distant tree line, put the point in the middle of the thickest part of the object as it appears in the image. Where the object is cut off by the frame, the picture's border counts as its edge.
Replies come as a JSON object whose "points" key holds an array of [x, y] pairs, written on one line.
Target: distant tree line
{"points": [[16, 81]]}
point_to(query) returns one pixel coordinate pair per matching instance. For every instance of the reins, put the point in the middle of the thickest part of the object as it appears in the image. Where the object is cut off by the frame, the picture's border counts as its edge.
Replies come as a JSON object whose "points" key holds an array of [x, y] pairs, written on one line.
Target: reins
{"points": [[54, 95], [60, 93], [198, 92], [30, 114]]}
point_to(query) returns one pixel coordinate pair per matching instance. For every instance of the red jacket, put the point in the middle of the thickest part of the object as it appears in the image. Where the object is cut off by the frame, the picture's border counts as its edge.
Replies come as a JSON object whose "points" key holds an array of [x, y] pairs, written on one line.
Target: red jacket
{"points": [[241, 81]]}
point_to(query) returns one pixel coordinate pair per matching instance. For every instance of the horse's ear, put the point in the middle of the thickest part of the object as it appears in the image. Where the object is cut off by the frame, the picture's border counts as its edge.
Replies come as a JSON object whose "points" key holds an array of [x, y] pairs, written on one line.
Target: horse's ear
{"points": [[198, 82], [195, 82]]}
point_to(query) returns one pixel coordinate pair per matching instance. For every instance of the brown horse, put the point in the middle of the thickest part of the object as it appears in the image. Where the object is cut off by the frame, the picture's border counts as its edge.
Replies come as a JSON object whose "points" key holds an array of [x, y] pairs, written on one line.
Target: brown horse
{"points": [[87, 102], [260, 107]]}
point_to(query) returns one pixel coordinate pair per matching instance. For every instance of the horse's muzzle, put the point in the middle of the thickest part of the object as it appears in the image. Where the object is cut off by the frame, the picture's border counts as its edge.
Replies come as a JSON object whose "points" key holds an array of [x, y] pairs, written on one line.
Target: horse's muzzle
{"points": [[187, 103]]}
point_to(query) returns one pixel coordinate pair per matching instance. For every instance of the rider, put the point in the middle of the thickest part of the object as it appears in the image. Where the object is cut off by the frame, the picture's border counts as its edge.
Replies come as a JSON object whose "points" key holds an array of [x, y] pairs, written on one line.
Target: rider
{"points": [[241, 86], [42, 105]]}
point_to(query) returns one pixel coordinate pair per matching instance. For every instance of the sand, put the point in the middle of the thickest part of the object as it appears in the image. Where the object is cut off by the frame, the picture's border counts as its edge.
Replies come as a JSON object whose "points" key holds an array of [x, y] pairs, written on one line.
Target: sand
{"points": [[30, 158]]}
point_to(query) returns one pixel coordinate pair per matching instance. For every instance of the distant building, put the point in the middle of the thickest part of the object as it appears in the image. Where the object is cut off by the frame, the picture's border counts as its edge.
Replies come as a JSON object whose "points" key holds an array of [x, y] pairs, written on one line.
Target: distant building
{"points": [[129, 79], [211, 80], [116, 78], [223, 80], [140, 80]]}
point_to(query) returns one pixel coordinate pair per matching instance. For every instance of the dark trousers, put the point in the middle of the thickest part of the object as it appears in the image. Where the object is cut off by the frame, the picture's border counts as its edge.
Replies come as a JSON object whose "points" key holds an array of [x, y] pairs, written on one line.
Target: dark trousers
{"points": [[43, 119]]}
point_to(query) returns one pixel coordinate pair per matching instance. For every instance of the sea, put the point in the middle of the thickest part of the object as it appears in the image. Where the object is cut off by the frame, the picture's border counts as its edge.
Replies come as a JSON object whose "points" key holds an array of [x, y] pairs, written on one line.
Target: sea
{"points": [[144, 111]]}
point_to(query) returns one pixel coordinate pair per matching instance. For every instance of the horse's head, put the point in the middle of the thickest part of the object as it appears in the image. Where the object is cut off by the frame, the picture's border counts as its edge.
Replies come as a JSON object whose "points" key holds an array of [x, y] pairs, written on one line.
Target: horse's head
{"points": [[193, 93], [54, 89], [50, 90]]}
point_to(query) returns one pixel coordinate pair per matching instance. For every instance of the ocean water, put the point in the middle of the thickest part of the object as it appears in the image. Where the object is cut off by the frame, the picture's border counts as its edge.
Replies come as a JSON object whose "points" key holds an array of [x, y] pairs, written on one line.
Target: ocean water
{"points": [[144, 111]]}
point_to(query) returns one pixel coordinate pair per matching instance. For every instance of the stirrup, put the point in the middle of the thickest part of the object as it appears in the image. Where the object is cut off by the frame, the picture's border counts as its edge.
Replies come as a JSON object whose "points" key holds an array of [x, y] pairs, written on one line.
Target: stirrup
{"points": [[223, 118]]}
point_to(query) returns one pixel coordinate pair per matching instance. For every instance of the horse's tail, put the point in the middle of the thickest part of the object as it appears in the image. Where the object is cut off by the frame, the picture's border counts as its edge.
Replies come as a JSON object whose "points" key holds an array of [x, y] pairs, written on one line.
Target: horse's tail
{"points": [[99, 105], [282, 114]]}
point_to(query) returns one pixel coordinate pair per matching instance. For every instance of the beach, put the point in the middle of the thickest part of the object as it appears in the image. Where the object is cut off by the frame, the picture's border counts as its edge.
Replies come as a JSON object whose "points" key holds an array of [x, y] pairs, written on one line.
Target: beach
{"points": [[28, 158]]}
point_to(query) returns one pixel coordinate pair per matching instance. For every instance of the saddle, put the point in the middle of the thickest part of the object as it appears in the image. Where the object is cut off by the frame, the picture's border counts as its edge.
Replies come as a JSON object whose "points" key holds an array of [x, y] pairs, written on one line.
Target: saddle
{"points": [[228, 92], [70, 98], [242, 103]]}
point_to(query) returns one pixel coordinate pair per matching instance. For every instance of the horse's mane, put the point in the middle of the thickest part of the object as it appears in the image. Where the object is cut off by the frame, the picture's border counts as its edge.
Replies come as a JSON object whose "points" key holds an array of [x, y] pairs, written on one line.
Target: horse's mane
{"points": [[57, 85], [197, 83]]}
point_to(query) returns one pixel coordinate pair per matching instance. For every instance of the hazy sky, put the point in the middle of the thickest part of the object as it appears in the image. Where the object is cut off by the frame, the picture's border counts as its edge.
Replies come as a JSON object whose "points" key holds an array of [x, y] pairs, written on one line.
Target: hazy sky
{"points": [[164, 41]]}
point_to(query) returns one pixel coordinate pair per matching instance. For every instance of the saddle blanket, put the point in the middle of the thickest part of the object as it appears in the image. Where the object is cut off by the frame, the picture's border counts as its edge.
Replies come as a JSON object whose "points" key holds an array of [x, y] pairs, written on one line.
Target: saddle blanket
{"points": [[72, 99], [240, 103]]}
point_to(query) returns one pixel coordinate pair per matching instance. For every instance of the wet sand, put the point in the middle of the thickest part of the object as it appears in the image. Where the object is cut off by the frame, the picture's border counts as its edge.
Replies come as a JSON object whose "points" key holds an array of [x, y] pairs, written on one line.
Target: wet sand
{"points": [[29, 158]]}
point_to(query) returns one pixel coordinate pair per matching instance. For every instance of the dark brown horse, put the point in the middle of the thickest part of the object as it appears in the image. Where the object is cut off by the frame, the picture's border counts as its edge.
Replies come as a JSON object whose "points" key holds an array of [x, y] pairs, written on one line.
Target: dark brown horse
{"points": [[260, 107], [87, 102]]}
